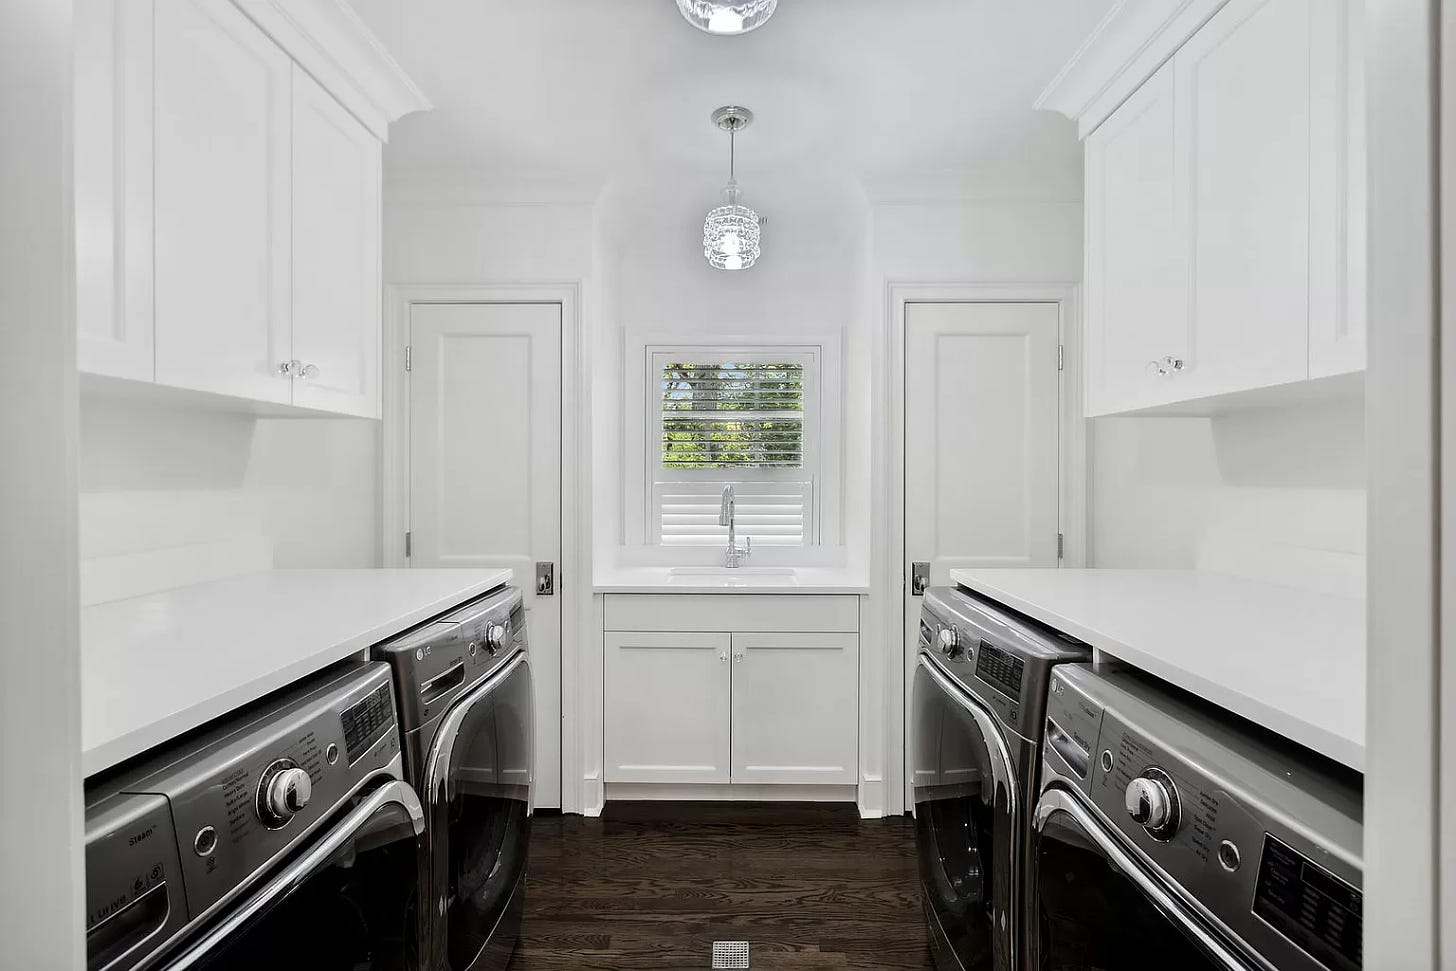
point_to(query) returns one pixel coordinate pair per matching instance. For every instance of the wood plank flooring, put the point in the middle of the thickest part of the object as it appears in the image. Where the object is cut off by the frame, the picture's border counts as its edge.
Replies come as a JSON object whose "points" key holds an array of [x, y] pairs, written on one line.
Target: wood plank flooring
{"points": [[652, 885]]}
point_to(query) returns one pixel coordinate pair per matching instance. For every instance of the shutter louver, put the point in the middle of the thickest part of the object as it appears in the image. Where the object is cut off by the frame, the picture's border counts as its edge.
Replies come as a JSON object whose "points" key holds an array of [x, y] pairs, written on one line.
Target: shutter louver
{"points": [[772, 513], [732, 416]]}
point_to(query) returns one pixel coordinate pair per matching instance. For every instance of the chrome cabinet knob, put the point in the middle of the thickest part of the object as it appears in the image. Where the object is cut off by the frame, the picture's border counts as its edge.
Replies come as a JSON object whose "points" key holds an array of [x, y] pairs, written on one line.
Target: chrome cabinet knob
{"points": [[283, 792], [308, 371], [1152, 802], [1166, 366], [286, 368]]}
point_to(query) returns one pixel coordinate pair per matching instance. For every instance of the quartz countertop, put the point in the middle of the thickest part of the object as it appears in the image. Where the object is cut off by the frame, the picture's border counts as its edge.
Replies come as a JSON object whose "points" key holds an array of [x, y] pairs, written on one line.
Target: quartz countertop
{"points": [[748, 579], [156, 666], [1287, 659]]}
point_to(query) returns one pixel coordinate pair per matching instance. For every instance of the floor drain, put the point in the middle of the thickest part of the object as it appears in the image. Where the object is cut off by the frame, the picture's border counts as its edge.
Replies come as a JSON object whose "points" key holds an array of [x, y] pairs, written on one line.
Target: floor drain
{"points": [[730, 954]]}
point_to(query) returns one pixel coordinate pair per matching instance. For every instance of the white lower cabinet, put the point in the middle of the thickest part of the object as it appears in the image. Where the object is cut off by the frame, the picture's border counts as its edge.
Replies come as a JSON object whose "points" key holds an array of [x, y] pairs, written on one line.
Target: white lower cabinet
{"points": [[795, 717], [667, 703], [748, 706]]}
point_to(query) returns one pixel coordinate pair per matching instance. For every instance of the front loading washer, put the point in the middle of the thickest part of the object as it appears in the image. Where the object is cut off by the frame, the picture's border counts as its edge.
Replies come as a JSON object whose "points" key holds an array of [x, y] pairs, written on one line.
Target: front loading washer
{"points": [[283, 835], [977, 708], [1170, 834], [463, 683]]}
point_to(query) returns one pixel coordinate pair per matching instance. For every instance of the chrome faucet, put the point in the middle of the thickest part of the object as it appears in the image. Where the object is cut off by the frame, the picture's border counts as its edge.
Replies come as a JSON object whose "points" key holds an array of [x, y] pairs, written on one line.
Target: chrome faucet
{"points": [[735, 554]]}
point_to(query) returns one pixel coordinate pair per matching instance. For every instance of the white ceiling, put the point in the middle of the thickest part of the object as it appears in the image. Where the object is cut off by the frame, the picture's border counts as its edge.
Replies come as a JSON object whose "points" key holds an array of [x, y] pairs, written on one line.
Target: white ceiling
{"points": [[586, 90]]}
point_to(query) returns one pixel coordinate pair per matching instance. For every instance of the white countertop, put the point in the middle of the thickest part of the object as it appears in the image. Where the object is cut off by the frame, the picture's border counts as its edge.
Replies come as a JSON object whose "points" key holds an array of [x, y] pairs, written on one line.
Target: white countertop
{"points": [[1287, 659], [156, 666], [750, 579]]}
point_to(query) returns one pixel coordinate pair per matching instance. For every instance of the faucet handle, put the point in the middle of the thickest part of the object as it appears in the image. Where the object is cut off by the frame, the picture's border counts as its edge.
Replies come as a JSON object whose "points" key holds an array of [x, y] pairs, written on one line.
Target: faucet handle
{"points": [[747, 547]]}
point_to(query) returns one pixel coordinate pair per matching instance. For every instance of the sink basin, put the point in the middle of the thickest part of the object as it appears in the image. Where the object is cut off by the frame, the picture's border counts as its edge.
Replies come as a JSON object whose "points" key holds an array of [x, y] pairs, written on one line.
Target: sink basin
{"points": [[745, 576]]}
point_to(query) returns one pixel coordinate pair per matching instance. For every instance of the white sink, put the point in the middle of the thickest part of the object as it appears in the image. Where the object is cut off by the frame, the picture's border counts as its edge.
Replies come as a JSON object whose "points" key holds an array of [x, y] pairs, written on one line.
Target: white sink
{"points": [[744, 576]]}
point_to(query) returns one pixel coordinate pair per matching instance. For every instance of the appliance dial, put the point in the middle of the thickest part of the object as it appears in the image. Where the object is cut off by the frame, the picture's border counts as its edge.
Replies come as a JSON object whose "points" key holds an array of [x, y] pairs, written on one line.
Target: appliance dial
{"points": [[950, 642], [495, 638], [283, 791], [1152, 802]]}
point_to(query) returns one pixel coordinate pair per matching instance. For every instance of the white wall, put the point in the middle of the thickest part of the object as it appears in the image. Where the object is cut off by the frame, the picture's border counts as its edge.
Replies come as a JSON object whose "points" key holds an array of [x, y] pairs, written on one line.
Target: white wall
{"points": [[161, 485], [1272, 493]]}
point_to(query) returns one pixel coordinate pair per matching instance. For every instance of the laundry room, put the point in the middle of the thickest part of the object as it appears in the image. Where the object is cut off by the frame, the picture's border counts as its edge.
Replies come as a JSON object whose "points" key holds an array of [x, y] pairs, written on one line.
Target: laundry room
{"points": [[674, 484]]}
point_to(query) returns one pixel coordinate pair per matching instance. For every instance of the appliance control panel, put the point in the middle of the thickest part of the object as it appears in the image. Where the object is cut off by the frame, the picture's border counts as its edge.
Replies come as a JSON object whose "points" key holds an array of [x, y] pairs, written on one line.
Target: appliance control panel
{"points": [[1208, 808], [435, 664], [252, 788]]}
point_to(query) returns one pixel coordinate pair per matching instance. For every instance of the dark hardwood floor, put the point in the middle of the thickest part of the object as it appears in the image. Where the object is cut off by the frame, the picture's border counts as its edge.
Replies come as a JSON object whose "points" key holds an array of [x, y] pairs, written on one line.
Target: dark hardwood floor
{"points": [[652, 885]]}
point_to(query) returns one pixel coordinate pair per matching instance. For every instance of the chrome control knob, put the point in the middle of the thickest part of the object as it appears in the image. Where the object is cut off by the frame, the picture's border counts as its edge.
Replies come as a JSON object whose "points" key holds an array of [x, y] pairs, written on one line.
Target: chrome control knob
{"points": [[1152, 802], [495, 638], [283, 792], [950, 641]]}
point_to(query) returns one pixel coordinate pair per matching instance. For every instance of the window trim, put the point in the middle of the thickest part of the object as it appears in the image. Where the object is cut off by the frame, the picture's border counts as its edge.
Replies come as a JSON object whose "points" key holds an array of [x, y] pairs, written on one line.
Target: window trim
{"points": [[823, 425]]}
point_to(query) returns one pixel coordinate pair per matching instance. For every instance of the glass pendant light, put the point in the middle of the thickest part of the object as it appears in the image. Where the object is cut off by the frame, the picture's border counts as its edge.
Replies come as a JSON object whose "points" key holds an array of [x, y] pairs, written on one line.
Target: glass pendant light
{"points": [[731, 231], [727, 16]]}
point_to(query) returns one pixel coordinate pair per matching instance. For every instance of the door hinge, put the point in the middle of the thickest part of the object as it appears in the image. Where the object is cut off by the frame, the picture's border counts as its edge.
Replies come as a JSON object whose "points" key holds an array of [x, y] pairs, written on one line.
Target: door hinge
{"points": [[408, 544], [408, 361], [1061, 356], [1061, 545]]}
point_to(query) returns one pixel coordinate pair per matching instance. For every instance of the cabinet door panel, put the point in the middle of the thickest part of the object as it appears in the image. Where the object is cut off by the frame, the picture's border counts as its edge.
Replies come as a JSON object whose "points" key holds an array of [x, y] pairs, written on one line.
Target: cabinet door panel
{"points": [[1243, 159], [113, 174], [1136, 295], [666, 707], [1337, 189], [336, 294], [221, 163], [796, 708]]}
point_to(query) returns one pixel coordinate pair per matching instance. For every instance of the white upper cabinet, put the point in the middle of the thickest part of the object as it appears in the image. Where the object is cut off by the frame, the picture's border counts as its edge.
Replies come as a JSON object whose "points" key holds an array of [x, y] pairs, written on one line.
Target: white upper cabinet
{"points": [[113, 179], [1245, 176], [336, 276], [221, 202], [1135, 281], [1224, 202], [228, 202]]}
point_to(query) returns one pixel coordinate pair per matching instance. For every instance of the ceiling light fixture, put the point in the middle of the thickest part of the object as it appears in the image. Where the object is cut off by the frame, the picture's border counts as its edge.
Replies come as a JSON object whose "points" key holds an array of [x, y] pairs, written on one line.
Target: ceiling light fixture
{"points": [[731, 231], [727, 16]]}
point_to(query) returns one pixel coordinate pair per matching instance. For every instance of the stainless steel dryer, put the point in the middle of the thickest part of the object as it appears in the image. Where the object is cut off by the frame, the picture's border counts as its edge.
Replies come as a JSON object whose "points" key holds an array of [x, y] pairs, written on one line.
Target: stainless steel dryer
{"points": [[464, 693], [977, 708], [1174, 835], [285, 835]]}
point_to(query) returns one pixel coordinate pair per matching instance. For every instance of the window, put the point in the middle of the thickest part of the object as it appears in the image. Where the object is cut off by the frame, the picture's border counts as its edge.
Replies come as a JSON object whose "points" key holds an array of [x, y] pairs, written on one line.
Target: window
{"points": [[746, 416]]}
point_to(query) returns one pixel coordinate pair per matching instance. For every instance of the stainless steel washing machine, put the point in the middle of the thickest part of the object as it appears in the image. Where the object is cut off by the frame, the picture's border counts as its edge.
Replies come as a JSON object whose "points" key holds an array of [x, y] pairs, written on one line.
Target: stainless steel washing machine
{"points": [[285, 835], [464, 694], [977, 709], [1173, 835]]}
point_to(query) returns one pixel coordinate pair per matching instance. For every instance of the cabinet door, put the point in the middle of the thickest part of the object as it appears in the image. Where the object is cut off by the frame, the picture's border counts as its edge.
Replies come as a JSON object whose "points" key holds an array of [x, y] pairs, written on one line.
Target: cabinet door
{"points": [[336, 291], [1136, 296], [1243, 87], [796, 708], [1337, 189], [666, 707], [221, 172], [113, 174]]}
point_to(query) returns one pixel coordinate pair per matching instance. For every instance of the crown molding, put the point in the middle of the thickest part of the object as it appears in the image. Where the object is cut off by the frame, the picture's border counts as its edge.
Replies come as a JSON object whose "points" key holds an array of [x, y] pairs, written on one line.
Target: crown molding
{"points": [[1131, 42], [329, 41]]}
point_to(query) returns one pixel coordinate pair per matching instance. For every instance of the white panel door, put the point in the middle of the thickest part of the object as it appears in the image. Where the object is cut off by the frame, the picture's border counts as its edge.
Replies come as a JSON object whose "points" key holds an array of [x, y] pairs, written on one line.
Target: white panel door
{"points": [[665, 707], [981, 442], [336, 291], [795, 708], [1136, 291], [1243, 153], [221, 158], [113, 179], [485, 470]]}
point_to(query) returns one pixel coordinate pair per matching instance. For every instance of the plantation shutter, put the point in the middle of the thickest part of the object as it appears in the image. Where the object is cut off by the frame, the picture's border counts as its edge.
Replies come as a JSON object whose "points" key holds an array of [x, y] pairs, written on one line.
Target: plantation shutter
{"points": [[735, 422], [732, 416]]}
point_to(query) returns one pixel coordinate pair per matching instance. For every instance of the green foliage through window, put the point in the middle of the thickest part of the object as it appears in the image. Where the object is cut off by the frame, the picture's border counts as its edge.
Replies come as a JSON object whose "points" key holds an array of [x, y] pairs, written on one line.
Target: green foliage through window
{"points": [[732, 416]]}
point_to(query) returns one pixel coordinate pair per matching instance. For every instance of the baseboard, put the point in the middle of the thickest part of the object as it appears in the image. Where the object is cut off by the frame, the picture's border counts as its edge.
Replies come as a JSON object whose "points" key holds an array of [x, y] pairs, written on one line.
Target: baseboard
{"points": [[706, 792], [871, 799]]}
